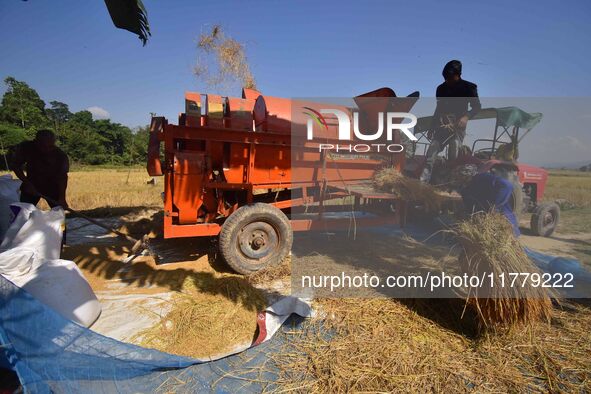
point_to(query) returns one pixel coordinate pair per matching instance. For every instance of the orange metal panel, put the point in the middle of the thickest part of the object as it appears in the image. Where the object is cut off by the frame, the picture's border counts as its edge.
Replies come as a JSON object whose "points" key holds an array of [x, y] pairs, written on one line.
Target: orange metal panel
{"points": [[189, 173], [193, 109], [239, 112], [192, 230], [214, 116], [156, 131]]}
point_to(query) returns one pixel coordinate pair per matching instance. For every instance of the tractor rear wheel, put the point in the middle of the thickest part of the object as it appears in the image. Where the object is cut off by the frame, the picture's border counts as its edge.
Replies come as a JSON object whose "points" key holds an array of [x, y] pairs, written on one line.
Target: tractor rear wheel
{"points": [[517, 196], [254, 237], [545, 219]]}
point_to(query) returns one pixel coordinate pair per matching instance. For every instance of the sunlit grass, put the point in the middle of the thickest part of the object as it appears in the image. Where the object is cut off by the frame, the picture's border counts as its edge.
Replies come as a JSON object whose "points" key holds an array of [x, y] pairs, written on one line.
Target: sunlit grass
{"points": [[574, 186]]}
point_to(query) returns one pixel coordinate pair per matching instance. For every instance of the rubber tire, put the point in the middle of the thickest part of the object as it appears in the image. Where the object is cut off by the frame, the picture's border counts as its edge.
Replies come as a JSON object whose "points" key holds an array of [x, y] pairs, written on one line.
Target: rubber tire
{"points": [[229, 237], [517, 198], [537, 219], [517, 194]]}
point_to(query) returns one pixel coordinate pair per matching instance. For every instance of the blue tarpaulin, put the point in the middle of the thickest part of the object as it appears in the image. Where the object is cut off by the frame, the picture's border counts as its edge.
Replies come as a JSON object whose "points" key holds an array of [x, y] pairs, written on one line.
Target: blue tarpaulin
{"points": [[52, 354]]}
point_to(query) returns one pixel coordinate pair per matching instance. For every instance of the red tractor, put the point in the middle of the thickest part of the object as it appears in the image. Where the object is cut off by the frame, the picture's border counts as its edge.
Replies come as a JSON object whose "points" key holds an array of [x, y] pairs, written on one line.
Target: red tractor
{"points": [[500, 155]]}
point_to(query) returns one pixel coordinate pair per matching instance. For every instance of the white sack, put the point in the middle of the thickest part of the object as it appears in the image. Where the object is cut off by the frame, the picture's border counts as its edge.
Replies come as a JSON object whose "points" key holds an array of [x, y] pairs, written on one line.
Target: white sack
{"points": [[36, 229]]}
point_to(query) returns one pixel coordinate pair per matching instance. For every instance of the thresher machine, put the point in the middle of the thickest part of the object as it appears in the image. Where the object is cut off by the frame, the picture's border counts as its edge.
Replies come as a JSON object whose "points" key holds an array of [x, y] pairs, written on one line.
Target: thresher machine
{"points": [[228, 172]]}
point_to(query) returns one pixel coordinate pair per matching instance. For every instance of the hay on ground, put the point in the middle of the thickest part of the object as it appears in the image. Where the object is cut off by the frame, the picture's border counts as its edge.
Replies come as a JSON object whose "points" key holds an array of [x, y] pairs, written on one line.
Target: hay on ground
{"points": [[384, 345], [490, 248], [269, 275], [205, 323], [390, 180], [211, 313]]}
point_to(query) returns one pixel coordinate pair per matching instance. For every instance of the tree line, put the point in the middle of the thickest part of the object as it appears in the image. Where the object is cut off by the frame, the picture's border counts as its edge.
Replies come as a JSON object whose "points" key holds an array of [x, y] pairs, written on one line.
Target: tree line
{"points": [[85, 140]]}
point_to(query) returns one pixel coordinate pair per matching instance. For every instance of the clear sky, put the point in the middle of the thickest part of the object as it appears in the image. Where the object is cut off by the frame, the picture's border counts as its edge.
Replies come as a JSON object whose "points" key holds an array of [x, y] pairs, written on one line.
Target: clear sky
{"points": [[69, 50]]}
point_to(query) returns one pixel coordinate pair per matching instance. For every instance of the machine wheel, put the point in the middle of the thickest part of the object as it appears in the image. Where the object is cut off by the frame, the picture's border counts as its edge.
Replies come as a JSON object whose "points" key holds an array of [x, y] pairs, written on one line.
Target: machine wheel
{"points": [[517, 198], [545, 219], [254, 237], [516, 201]]}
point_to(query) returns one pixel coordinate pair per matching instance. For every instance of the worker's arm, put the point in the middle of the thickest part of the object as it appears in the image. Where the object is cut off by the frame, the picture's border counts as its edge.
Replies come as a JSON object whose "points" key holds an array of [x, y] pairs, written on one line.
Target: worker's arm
{"points": [[474, 101], [62, 182], [17, 161]]}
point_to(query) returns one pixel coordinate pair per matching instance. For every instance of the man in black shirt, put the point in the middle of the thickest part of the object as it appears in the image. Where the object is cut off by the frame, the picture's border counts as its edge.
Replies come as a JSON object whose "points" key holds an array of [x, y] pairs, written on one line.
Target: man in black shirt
{"points": [[43, 169], [454, 96]]}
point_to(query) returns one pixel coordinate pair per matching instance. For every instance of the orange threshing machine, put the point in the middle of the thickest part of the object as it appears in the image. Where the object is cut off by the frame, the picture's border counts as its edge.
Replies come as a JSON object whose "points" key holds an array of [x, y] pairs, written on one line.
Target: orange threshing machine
{"points": [[239, 168]]}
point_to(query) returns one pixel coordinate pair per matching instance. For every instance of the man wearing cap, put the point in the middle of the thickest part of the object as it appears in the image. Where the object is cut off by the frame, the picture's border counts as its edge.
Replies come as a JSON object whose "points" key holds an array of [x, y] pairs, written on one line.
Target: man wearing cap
{"points": [[43, 169], [457, 102]]}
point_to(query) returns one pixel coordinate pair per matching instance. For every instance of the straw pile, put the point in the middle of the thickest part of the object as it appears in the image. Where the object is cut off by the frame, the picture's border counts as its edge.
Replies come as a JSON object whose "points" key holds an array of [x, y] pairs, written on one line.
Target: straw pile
{"points": [[383, 345], [222, 60], [271, 274], [489, 247], [390, 180], [202, 323]]}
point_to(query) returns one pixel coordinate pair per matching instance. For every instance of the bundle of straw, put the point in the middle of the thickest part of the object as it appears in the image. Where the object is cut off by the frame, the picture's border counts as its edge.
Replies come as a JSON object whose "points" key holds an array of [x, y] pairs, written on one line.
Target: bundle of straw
{"points": [[390, 180], [490, 248]]}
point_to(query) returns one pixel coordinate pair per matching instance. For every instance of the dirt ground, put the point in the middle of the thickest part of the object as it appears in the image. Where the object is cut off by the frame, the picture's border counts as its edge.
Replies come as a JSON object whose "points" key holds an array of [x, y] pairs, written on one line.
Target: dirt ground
{"points": [[563, 242]]}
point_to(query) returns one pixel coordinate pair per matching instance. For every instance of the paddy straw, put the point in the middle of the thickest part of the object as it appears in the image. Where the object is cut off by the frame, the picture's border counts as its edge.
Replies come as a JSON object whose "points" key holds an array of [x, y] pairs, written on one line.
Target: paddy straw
{"points": [[490, 248], [390, 180], [269, 275], [222, 59], [205, 323], [384, 345]]}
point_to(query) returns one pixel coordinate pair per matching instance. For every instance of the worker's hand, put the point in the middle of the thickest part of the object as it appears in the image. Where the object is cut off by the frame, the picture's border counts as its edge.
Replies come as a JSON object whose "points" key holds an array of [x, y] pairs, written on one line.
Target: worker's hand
{"points": [[28, 188], [463, 121]]}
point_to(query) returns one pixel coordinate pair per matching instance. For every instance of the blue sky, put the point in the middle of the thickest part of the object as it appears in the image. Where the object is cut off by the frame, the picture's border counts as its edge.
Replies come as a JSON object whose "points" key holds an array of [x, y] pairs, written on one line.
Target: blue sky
{"points": [[69, 50]]}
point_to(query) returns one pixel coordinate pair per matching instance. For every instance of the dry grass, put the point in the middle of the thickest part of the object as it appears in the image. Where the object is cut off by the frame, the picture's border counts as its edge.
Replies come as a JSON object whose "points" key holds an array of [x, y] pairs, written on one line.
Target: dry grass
{"points": [[574, 186], [93, 188], [202, 324], [112, 188], [271, 274], [489, 247], [392, 181], [377, 345]]}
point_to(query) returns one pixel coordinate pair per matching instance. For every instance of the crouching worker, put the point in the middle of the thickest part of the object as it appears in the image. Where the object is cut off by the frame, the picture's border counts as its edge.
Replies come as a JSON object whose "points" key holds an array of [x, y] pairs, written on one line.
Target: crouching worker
{"points": [[43, 169], [488, 191]]}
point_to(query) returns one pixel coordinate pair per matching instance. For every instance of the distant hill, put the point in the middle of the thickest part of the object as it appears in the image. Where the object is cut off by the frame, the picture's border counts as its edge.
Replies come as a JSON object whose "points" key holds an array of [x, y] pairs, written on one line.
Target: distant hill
{"points": [[571, 166]]}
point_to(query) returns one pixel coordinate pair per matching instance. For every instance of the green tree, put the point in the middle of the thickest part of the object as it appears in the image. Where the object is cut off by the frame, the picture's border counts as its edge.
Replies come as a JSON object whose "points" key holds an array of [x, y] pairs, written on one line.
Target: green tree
{"points": [[58, 114], [139, 145], [118, 138], [10, 135], [81, 141], [22, 106]]}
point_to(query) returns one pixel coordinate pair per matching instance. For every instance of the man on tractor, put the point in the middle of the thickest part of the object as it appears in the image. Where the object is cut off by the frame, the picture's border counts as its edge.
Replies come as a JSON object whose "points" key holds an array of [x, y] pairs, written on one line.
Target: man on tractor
{"points": [[457, 102]]}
